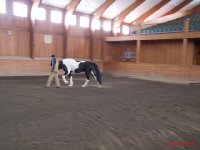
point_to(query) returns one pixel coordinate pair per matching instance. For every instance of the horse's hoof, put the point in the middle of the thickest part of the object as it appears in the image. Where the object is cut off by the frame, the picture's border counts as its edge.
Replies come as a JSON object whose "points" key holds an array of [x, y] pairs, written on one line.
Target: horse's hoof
{"points": [[70, 85], [99, 86], [83, 86], [66, 82]]}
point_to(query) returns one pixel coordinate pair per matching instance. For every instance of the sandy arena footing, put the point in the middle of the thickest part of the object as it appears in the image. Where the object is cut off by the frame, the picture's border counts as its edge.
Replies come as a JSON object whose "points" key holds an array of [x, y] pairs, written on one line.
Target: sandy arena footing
{"points": [[125, 114]]}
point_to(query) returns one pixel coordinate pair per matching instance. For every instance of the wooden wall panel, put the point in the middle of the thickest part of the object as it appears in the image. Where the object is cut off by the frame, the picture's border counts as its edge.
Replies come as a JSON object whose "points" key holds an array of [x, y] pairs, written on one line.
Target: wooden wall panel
{"points": [[196, 52], [14, 42], [78, 48], [154, 71], [48, 27], [24, 67], [77, 32], [98, 34], [14, 33], [161, 52], [42, 49], [23, 40], [8, 20], [106, 33], [190, 53], [107, 53], [97, 49], [13, 22], [113, 50], [97, 45]]}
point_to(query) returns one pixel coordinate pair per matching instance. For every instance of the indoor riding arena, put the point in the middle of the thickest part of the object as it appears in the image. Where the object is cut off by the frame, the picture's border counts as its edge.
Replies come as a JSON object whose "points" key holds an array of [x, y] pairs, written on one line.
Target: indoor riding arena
{"points": [[145, 53]]}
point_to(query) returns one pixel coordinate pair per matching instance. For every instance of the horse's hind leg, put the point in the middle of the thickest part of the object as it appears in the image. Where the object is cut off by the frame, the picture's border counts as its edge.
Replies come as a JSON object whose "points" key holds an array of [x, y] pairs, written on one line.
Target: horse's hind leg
{"points": [[92, 73], [95, 77], [87, 74]]}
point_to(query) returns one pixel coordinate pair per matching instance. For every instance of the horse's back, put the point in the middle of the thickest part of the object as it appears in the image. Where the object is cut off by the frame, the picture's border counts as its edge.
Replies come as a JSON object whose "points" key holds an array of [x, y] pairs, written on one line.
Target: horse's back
{"points": [[71, 64]]}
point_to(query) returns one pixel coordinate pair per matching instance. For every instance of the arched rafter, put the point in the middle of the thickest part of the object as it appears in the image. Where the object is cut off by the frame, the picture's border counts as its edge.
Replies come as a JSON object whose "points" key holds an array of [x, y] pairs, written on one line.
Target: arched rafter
{"points": [[170, 17], [68, 12], [173, 16], [150, 12], [120, 18], [70, 8], [34, 7], [178, 7], [95, 16], [99, 12]]}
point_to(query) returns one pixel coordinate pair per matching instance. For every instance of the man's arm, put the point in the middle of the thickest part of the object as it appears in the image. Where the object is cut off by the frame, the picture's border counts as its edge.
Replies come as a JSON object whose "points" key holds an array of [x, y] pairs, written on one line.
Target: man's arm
{"points": [[53, 64]]}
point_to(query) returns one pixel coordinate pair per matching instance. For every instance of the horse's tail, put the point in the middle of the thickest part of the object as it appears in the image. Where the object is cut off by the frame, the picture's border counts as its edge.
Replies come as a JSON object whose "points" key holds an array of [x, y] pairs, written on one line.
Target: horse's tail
{"points": [[98, 73]]}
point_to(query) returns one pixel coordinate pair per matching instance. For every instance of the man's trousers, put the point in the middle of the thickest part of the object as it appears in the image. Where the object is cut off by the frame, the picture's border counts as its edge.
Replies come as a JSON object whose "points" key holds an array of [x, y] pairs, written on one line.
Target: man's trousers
{"points": [[51, 76]]}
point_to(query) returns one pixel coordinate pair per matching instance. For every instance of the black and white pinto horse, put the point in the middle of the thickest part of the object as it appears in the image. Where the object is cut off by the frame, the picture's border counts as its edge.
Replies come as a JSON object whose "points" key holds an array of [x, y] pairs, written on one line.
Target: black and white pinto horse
{"points": [[70, 66]]}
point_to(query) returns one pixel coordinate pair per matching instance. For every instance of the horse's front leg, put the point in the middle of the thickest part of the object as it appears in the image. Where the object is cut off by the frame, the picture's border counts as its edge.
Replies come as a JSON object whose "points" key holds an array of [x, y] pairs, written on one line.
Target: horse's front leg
{"points": [[65, 74], [64, 79], [70, 80]]}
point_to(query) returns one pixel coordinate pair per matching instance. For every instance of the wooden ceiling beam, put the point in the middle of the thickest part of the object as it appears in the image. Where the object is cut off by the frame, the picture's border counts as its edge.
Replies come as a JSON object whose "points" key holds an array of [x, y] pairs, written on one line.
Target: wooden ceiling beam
{"points": [[99, 12], [150, 12], [93, 20], [170, 17], [174, 16], [70, 8], [178, 7], [72, 5], [120, 18], [68, 12], [35, 5], [196, 9]]}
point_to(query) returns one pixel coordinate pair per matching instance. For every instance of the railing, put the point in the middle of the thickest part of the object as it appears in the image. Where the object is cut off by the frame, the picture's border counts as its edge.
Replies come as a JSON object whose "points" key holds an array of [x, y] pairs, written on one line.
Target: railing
{"points": [[177, 25]]}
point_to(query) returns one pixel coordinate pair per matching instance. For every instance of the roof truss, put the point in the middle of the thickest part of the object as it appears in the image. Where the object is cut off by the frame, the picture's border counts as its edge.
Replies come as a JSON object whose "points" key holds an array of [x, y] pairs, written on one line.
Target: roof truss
{"points": [[150, 12], [120, 18], [178, 7]]}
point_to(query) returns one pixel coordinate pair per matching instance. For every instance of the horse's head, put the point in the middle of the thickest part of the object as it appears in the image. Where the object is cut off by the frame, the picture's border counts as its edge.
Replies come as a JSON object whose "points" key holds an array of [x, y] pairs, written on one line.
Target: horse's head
{"points": [[60, 64]]}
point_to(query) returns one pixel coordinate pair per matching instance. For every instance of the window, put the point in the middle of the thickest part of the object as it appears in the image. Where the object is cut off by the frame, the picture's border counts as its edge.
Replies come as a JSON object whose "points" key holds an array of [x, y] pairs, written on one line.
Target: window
{"points": [[84, 22], [72, 20], [41, 14], [96, 24], [56, 16], [107, 26], [125, 29], [20, 9], [116, 30], [2, 6]]}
